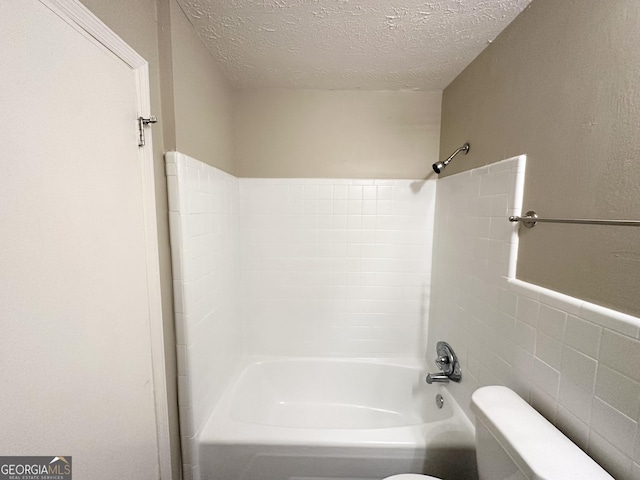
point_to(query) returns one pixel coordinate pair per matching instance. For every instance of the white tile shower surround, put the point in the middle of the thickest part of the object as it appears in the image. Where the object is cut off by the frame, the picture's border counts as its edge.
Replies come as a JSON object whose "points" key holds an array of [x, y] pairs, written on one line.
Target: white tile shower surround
{"points": [[576, 362], [204, 221], [561, 354], [329, 268], [336, 267]]}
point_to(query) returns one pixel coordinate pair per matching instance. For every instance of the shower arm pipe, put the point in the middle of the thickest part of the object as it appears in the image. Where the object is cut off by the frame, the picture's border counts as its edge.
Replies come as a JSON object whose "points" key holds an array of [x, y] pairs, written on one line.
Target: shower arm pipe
{"points": [[464, 148], [439, 166]]}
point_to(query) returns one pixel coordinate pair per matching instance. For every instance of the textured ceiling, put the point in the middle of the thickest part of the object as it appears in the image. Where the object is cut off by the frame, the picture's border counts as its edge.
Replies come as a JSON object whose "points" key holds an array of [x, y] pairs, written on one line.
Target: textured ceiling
{"points": [[348, 44]]}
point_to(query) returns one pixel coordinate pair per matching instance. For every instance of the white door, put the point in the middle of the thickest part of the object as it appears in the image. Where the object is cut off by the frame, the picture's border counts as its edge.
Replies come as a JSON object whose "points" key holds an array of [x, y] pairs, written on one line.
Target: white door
{"points": [[77, 294]]}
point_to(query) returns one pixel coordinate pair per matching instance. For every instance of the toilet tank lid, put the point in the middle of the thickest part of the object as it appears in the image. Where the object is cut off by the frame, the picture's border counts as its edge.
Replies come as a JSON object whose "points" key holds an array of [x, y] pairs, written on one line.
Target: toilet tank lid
{"points": [[540, 450]]}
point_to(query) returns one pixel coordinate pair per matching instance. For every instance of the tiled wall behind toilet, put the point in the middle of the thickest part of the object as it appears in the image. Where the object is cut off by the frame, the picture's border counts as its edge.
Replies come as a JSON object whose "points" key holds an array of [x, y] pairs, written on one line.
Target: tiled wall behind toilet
{"points": [[204, 221], [576, 362], [336, 267]]}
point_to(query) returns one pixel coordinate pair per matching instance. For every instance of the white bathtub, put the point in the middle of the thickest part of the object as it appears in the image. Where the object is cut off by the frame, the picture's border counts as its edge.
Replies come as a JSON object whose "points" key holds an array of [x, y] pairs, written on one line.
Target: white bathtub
{"points": [[319, 419]]}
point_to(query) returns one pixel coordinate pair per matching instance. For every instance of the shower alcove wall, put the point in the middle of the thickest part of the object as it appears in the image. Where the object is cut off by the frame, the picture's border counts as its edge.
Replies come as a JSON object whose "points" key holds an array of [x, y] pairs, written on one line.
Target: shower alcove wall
{"points": [[291, 268]]}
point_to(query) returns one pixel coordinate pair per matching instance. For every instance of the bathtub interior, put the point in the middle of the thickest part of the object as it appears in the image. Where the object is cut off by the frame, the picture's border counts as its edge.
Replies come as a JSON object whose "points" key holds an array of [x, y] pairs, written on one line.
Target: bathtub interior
{"points": [[332, 394]]}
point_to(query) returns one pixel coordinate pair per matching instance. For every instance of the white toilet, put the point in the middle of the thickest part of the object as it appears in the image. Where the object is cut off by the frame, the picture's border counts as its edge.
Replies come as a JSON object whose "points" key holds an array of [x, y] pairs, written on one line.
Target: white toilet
{"points": [[515, 442]]}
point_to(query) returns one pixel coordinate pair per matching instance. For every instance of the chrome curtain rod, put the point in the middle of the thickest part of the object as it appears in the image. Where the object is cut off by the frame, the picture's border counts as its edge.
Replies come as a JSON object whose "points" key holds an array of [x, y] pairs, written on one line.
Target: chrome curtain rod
{"points": [[531, 218]]}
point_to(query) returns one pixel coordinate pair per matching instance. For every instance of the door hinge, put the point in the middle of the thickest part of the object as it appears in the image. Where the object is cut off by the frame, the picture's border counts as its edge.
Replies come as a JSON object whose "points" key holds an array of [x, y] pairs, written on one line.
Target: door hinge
{"points": [[143, 122]]}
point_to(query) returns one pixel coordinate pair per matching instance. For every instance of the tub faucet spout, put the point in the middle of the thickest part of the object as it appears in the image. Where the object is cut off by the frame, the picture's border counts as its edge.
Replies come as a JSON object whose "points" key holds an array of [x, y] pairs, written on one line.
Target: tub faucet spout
{"points": [[437, 378], [448, 363]]}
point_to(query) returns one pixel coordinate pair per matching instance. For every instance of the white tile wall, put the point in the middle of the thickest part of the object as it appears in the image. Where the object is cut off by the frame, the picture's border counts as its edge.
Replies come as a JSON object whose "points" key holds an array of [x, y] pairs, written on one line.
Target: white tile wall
{"points": [[329, 267], [577, 363], [204, 221], [336, 267]]}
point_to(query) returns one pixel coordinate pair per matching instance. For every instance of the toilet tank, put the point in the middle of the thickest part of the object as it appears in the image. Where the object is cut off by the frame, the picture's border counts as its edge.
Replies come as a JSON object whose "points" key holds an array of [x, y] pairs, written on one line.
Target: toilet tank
{"points": [[515, 442]]}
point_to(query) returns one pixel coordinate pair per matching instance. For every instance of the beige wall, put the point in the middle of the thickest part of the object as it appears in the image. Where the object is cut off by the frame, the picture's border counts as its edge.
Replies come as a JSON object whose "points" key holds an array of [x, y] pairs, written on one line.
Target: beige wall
{"points": [[334, 134], [202, 98], [562, 85]]}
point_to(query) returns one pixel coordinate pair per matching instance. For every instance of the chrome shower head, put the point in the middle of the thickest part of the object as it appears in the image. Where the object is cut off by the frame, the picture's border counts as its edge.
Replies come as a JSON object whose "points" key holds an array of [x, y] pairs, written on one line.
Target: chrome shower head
{"points": [[438, 167]]}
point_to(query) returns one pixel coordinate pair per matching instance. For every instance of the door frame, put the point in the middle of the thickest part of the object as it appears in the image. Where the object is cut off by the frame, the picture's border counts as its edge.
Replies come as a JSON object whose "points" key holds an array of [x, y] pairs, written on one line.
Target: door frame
{"points": [[85, 22]]}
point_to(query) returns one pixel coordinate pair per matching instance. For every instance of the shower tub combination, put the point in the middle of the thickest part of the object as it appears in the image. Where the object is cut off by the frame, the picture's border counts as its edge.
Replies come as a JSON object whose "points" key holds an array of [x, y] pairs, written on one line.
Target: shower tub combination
{"points": [[320, 419]]}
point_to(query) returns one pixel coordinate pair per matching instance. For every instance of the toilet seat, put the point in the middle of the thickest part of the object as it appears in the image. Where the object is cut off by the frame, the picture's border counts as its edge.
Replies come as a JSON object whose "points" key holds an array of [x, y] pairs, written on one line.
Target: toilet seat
{"points": [[410, 476]]}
